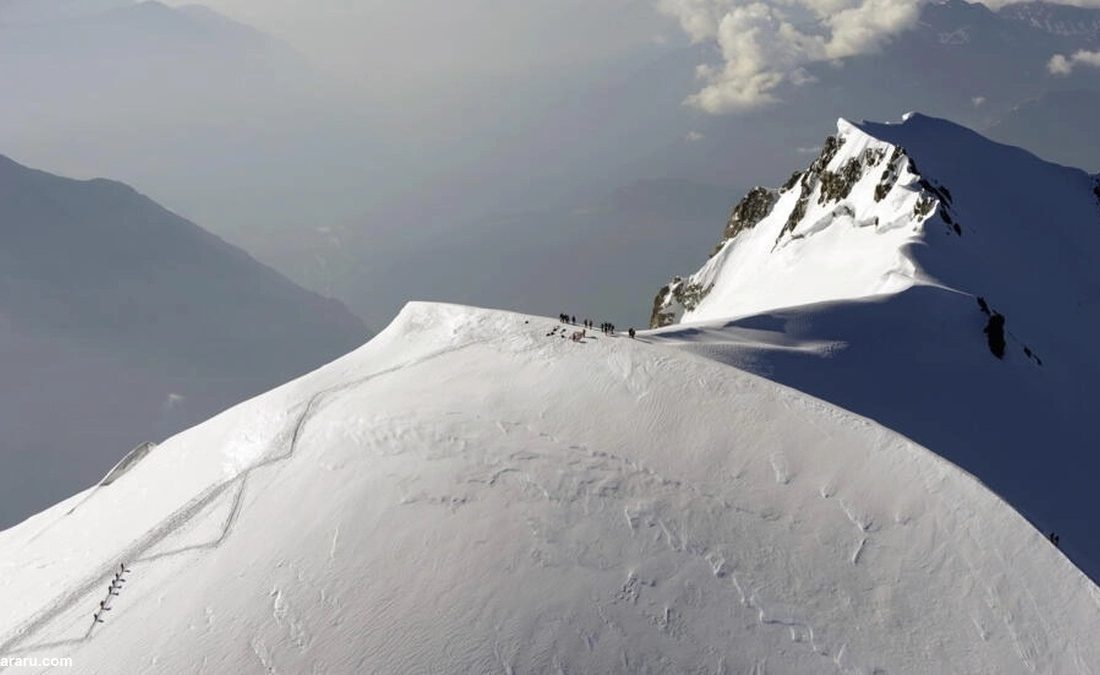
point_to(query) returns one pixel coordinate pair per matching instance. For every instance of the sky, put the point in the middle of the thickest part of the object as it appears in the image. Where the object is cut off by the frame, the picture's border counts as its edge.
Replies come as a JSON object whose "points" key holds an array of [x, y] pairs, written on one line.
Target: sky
{"points": [[763, 45], [758, 46], [367, 132], [424, 40]]}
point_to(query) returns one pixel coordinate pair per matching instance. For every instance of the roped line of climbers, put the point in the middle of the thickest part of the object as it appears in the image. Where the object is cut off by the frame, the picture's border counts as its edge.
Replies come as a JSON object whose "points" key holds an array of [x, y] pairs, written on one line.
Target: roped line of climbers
{"points": [[35, 622], [112, 591]]}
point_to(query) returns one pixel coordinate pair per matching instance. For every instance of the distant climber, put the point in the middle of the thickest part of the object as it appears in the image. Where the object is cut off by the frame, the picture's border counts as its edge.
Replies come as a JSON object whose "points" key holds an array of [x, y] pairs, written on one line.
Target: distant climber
{"points": [[631, 333], [1054, 539], [983, 305], [995, 332]]}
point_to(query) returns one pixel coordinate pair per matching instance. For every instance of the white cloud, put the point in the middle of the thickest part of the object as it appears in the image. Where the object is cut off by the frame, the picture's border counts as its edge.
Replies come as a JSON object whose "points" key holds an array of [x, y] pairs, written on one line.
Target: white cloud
{"points": [[978, 101], [694, 137], [1060, 65], [764, 45]]}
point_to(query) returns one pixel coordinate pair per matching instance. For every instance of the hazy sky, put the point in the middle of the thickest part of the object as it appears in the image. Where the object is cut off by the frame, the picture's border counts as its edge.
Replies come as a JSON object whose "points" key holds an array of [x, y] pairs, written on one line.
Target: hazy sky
{"points": [[411, 119], [418, 39], [759, 46]]}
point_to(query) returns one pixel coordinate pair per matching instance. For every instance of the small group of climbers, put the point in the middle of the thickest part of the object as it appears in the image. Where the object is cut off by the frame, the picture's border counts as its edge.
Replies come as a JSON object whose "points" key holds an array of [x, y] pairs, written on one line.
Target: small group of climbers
{"points": [[606, 328]]}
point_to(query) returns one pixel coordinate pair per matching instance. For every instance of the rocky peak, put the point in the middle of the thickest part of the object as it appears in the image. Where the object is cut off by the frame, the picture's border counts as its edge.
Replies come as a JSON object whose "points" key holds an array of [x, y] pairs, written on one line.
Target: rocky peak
{"points": [[857, 182]]}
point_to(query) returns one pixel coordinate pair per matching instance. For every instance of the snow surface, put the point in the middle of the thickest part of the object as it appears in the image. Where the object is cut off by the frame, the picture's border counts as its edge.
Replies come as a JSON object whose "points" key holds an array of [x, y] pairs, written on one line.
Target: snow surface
{"points": [[471, 493], [883, 320]]}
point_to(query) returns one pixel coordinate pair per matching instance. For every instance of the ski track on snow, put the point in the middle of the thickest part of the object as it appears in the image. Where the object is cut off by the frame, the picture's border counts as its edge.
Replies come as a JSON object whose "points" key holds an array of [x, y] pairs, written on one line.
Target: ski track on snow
{"points": [[13, 641]]}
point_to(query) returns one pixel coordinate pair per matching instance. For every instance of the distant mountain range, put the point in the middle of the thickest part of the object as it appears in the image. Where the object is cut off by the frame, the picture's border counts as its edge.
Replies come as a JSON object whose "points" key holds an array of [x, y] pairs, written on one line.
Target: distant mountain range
{"points": [[1063, 123], [121, 322]]}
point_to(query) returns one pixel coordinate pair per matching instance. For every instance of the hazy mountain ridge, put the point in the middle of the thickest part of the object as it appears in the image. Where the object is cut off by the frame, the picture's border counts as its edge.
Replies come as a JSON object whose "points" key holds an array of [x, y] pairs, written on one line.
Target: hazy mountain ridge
{"points": [[1055, 18], [101, 287], [1061, 122]]}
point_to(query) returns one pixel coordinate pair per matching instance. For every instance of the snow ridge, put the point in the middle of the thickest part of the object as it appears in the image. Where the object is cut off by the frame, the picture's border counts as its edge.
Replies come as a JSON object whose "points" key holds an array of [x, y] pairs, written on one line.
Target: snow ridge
{"points": [[466, 493]]}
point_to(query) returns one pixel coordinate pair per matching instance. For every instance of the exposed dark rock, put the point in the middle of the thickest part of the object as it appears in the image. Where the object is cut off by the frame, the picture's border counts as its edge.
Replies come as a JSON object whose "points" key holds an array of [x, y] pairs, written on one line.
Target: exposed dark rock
{"points": [[687, 295], [690, 295], [937, 190], [984, 306], [750, 211], [829, 149], [995, 333], [792, 181], [958, 229], [809, 180], [659, 317], [889, 175], [798, 211], [837, 185], [924, 206]]}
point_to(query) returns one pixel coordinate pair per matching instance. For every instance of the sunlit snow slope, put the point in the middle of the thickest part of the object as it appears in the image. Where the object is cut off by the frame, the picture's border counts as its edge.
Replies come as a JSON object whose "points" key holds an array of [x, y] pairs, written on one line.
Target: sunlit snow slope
{"points": [[862, 282], [471, 492]]}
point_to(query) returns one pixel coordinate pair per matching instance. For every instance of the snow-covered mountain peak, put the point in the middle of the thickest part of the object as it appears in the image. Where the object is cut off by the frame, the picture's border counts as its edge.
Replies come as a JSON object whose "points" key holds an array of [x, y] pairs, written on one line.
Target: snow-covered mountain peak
{"points": [[888, 206], [472, 491], [933, 280], [838, 229]]}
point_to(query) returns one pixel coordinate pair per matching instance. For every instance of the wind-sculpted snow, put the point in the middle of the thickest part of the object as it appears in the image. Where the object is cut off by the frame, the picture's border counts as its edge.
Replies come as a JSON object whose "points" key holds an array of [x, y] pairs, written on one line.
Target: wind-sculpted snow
{"points": [[468, 494], [893, 302]]}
